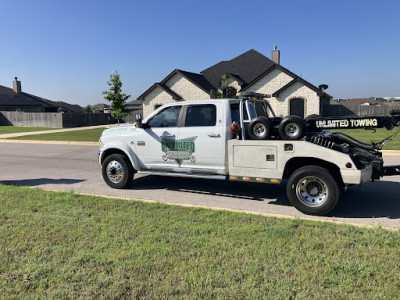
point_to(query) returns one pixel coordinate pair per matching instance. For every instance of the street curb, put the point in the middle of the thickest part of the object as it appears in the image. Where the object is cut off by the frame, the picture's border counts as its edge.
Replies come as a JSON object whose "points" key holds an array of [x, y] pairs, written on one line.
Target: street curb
{"points": [[391, 152], [278, 216], [50, 142], [18, 134]]}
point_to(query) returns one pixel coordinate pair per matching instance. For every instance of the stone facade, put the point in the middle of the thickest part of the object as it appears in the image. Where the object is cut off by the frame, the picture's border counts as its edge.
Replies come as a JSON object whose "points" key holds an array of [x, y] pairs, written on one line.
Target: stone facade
{"points": [[156, 97], [298, 90], [178, 84], [184, 88], [269, 84]]}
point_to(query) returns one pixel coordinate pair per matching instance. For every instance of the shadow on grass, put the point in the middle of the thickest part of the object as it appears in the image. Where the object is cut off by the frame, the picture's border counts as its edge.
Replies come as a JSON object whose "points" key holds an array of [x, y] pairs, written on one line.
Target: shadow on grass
{"points": [[40, 181], [222, 188]]}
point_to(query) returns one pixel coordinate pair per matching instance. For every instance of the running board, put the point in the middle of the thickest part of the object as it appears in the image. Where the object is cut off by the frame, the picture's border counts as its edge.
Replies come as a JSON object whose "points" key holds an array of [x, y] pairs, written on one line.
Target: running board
{"points": [[219, 177]]}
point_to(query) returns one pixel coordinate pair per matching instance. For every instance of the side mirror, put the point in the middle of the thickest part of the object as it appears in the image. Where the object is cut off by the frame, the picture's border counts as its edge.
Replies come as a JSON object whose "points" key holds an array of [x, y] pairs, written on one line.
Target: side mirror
{"points": [[139, 123]]}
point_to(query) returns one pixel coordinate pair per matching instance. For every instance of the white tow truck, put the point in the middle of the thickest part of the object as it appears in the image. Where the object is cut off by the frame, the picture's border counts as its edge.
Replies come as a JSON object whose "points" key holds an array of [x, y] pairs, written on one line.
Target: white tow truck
{"points": [[242, 140]]}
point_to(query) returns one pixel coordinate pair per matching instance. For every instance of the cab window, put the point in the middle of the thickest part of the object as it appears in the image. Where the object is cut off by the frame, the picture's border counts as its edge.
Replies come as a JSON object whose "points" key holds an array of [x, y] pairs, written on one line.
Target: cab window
{"points": [[201, 115], [166, 118]]}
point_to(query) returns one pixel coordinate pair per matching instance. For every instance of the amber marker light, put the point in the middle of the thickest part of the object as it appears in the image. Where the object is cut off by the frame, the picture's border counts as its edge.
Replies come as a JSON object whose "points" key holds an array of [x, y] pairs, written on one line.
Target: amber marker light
{"points": [[246, 179], [233, 178], [274, 180], [260, 179]]}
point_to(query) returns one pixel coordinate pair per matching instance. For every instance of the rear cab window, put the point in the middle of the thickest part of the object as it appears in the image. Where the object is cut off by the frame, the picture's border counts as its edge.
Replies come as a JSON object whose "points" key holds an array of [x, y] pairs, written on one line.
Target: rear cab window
{"points": [[201, 115]]}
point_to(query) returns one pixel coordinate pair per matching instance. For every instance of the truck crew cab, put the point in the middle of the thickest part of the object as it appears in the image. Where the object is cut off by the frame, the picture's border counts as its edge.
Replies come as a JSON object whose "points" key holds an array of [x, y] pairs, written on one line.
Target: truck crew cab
{"points": [[241, 140]]}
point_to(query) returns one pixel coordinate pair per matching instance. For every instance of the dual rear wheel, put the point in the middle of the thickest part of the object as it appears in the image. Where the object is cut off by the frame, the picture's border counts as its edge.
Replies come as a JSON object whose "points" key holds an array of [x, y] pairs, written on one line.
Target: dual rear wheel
{"points": [[313, 190]]}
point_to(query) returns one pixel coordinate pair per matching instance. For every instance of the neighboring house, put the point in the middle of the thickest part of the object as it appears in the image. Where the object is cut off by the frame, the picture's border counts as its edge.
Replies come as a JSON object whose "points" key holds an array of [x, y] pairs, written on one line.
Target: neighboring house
{"points": [[16, 100], [393, 99], [101, 108], [250, 71], [134, 106], [363, 101]]}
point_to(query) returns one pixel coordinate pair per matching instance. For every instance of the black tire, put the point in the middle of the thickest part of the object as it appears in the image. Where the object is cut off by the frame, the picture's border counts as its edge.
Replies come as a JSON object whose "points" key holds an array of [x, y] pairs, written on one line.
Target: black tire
{"points": [[260, 129], [292, 128], [312, 117], [313, 190], [117, 171]]}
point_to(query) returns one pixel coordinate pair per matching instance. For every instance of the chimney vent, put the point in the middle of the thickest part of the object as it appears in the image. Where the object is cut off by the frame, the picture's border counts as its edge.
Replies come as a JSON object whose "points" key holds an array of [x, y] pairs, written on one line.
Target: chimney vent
{"points": [[276, 55], [17, 85]]}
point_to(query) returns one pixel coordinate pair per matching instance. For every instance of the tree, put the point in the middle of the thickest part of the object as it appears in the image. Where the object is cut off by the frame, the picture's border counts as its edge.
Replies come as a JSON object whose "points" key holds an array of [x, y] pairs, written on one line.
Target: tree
{"points": [[116, 97], [88, 109], [224, 86]]}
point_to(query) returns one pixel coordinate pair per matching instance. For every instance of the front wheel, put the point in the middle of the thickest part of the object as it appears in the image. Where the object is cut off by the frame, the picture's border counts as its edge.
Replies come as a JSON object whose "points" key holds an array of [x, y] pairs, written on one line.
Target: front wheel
{"points": [[313, 190], [117, 171]]}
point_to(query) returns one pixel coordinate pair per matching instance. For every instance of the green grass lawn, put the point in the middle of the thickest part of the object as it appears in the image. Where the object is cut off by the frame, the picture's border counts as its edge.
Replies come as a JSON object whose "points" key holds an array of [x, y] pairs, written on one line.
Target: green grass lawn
{"points": [[16, 129], [86, 135], [367, 136], [63, 245]]}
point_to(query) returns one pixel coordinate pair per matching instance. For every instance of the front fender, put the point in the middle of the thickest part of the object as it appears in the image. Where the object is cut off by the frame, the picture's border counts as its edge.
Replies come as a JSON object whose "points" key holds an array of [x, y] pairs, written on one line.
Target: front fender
{"points": [[115, 147]]}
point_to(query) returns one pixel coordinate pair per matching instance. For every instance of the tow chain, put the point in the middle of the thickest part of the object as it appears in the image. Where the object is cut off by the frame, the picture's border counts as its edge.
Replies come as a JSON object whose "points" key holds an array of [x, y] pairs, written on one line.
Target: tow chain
{"points": [[387, 140]]}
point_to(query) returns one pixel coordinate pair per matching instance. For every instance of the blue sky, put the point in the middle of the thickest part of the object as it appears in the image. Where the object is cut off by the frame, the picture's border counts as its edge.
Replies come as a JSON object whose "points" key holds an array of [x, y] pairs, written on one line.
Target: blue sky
{"points": [[66, 50]]}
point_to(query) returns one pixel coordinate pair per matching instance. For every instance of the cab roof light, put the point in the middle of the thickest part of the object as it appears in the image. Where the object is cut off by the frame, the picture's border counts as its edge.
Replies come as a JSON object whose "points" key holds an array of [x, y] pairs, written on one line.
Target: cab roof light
{"points": [[253, 95]]}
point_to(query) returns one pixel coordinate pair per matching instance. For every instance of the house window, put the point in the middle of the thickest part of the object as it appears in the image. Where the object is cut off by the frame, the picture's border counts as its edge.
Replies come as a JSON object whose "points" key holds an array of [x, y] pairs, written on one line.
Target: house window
{"points": [[229, 92]]}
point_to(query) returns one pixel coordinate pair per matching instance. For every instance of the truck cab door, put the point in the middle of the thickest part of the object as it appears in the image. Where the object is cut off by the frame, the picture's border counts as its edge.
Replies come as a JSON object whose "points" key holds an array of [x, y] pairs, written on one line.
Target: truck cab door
{"points": [[202, 139], [159, 132]]}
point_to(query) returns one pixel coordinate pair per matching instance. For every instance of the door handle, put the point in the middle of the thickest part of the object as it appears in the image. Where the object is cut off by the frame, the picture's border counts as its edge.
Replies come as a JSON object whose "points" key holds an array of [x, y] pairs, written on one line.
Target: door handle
{"points": [[214, 135]]}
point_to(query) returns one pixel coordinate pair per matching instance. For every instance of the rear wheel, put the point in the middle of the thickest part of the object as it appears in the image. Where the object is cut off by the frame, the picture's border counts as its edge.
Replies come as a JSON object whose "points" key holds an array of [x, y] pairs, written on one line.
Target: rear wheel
{"points": [[291, 128], [117, 171], [313, 190], [260, 129]]}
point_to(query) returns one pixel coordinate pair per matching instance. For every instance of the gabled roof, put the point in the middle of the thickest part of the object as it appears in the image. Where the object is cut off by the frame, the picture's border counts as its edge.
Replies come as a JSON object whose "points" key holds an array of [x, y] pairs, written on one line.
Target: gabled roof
{"points": [[197, 79], [9, 98], [66, 107], [164, 88], [247, 66], [12, 99], [301, 80], [291, 74]]}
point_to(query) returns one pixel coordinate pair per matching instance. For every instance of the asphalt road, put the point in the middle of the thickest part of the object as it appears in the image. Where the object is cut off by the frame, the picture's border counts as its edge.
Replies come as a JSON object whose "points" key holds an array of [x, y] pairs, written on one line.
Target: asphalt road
{"points": [[75, 167]]}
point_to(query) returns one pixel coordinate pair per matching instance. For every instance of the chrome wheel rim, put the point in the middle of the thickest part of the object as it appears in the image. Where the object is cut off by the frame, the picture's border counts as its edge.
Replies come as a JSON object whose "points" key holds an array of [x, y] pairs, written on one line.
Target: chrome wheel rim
{"points": [[312, 191], [259, 130], [292, 129], [115, 171]]}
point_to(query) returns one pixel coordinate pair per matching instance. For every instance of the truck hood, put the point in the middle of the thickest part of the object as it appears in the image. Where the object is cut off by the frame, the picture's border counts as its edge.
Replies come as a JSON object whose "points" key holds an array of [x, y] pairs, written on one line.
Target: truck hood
{"points": [[120, 130]]}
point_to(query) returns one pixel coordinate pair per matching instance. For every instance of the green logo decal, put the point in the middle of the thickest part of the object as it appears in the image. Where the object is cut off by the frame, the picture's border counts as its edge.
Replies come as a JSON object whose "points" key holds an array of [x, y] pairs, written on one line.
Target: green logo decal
{"points": [[178, 150]]}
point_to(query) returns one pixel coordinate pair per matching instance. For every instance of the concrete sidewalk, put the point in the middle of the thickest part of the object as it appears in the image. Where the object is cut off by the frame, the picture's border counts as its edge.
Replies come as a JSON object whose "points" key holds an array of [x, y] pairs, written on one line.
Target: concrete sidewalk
{"points": [[10, 135]]}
